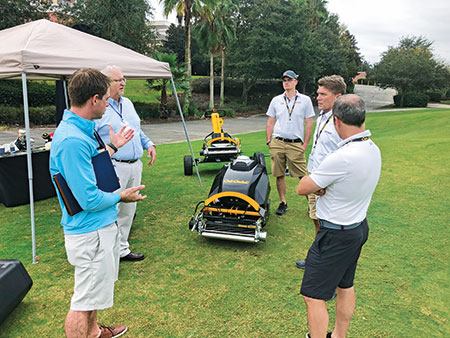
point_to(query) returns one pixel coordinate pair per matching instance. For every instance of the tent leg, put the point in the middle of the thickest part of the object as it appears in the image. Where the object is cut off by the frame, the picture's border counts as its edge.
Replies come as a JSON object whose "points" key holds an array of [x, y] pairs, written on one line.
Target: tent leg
{"points": [[185, 130], [29, 162], [66, 98]]}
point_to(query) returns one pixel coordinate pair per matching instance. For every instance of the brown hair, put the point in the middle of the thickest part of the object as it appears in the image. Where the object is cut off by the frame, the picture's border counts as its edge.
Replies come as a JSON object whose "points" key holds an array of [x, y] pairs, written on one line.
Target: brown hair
{"points": [[334, 83], [86, 83]]}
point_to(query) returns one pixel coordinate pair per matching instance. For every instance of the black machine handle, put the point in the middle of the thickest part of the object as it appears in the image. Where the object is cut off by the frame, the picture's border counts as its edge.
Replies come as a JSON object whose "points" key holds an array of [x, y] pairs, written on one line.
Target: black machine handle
{"points": [[221, 112]]}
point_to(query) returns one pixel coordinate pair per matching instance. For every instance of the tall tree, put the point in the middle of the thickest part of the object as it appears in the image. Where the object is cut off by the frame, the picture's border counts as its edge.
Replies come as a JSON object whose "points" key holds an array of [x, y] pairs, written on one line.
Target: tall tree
{"points": [[123, 22], [410, 67], [263, 38], [209, 40], [175, 43], [186, 10], [215, 32], [18, 12], [276, 35], [226, 16]]}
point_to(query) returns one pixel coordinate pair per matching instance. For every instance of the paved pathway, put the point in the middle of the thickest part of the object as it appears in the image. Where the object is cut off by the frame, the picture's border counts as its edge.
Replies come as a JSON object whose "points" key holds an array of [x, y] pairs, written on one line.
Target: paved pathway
{"points": [[174, 132]]}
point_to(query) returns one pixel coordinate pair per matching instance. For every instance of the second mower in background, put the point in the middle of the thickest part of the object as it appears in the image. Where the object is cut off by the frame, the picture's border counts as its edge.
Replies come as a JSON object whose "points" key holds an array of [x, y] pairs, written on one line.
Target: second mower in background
{"points": [[218, 146]]}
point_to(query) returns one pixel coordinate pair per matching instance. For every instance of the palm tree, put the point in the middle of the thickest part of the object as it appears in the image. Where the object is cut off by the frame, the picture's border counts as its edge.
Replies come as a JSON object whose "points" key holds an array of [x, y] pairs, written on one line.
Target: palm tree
{"points": [[216, 31], [185, 9], [178, 74], [227, 33]]}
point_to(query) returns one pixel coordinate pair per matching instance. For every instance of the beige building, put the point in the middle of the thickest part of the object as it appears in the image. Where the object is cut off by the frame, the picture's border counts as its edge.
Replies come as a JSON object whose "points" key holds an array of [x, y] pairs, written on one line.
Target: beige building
{"points": [[161, 28]]}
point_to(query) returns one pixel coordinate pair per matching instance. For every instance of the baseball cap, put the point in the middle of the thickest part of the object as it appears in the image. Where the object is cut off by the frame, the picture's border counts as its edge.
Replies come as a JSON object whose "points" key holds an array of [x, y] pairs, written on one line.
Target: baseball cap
{"points": [[290, 74]]}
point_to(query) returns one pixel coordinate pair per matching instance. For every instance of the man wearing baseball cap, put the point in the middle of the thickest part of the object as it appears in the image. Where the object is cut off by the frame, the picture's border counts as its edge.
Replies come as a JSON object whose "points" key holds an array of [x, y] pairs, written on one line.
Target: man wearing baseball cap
{"points": [[288, 132]]}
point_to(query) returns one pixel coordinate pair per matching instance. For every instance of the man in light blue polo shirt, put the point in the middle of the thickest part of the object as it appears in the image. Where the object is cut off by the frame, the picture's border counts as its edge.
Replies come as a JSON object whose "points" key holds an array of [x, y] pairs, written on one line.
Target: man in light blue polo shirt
{"points": [[91, 236], [288, 132], [121, 113]]}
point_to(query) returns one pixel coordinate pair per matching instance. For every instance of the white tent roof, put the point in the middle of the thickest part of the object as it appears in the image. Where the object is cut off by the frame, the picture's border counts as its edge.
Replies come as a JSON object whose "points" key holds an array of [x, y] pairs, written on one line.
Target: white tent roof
{"points": [[43, 49]]}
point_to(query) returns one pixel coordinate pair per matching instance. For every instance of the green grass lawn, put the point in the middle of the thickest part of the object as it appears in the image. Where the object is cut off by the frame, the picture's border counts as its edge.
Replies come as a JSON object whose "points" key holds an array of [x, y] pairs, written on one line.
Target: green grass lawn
{"points": [[189, 286], [137, 91]]}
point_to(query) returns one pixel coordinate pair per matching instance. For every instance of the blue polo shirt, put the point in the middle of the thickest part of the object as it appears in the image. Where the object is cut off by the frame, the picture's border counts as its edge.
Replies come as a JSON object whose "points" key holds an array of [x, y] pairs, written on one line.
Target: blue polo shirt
{"points": [[71, 153]]}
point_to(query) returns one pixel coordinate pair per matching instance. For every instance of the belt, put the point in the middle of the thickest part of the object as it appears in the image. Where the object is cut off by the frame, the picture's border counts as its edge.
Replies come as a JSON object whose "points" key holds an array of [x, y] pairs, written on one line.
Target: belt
{"points": [[289, 140], [333, 226], [125, 161]]}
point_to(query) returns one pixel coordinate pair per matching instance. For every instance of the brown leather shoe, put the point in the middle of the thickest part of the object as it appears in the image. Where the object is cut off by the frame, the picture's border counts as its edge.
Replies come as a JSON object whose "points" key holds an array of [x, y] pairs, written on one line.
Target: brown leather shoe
{"points": [[112, 331]]}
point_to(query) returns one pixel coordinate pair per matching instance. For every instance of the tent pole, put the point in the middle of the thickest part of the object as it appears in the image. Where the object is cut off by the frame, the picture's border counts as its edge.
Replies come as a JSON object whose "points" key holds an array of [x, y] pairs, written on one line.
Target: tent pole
{"points": [[64, 81], [29, 162], [185, 130]]}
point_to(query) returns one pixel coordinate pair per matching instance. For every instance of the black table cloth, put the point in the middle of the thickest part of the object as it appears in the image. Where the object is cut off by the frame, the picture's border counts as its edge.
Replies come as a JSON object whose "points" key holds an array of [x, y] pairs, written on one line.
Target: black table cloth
{"points": [[14, 188]]}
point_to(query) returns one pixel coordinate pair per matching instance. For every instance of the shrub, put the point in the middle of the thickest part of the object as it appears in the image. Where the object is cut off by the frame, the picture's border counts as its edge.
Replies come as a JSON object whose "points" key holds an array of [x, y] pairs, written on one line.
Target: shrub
{"points": [[435, 95], [40, 93], [229, 112], [193, 111], [147, 111], [11, 115], [350, 88], [412, 99], [233, 87]]}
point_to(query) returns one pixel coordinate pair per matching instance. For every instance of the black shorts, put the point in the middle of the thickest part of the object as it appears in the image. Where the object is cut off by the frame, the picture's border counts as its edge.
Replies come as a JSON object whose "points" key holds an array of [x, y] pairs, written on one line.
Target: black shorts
{"points": [[331, 261]]}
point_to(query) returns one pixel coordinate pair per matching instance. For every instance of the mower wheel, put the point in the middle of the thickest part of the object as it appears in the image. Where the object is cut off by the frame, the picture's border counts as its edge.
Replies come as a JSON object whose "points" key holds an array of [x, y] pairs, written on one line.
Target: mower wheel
{"points": [[188, 165]]}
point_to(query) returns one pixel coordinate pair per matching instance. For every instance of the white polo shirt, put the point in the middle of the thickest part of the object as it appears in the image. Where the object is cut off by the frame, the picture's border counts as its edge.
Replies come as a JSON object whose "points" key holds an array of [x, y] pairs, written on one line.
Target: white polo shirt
{"points": [[291, 126], [325, 140], [350, 175]]}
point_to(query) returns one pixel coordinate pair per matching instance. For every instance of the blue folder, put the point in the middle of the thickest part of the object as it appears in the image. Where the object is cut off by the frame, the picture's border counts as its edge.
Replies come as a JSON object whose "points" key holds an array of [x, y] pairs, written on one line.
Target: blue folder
{"points": [[105, 174]]}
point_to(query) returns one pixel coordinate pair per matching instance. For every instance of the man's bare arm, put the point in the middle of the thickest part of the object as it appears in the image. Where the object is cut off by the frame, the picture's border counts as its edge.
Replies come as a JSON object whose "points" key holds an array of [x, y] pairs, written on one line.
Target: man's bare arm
{"points": [[307, 186], [269, 128]]}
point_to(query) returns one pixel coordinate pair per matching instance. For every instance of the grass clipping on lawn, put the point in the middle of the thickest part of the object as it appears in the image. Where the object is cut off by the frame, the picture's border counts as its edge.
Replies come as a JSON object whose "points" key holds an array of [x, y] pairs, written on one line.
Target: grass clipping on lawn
{"points": [[189, 286]]}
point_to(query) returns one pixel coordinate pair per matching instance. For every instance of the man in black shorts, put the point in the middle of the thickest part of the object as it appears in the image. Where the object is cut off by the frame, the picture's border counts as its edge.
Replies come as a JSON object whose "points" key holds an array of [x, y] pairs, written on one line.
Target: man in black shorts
{"points": [[345, 181]]}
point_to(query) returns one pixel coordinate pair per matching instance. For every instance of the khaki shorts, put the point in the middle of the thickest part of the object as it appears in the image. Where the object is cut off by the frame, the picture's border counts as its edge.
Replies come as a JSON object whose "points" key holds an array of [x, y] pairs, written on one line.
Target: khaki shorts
{"points": [[95, 256], [292, 154], [312, 198]]}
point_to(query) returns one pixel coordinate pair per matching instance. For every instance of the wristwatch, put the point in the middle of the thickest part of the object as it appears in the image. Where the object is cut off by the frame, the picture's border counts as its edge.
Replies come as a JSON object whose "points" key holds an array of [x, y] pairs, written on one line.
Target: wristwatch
{"points": [[268, 142]]}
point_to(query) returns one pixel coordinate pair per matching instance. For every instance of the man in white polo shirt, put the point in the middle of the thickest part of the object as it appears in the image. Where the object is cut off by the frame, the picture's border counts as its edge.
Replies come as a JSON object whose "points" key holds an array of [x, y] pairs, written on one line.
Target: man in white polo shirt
{"points": [[346, 180], [325, 138], [288, 133]]}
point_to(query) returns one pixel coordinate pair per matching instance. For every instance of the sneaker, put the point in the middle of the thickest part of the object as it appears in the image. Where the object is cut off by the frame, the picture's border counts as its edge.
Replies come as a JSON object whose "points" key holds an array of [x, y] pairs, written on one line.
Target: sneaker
{"points": [[301, 264], [112, 331], [281, 209]]}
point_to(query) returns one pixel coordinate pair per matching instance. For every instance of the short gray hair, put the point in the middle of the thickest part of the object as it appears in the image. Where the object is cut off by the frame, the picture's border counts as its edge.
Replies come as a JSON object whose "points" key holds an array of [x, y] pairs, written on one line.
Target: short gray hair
{"points": [[350, 109], [107, 70]]}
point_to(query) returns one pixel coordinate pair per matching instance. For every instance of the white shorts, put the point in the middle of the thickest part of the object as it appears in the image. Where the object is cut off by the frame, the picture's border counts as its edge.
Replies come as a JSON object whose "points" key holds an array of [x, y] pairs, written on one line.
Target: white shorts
{"points": [[95, 256]]}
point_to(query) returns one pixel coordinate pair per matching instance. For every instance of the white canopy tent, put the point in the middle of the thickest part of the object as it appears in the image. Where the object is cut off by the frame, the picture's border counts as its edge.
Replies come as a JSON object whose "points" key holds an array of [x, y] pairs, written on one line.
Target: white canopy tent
{"points": [[46, 50]]}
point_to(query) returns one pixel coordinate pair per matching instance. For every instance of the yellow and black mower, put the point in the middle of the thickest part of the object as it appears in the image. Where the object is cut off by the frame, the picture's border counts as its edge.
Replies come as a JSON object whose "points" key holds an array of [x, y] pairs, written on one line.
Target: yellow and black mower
{"points": [[237, 207], [218, 146]]}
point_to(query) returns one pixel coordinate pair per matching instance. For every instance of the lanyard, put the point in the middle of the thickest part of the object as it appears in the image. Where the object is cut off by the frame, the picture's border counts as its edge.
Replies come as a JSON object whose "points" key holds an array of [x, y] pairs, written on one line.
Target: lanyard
{"points": [[358, 140], [99, 140], [119, 112], [319, 132], [287, 106]]}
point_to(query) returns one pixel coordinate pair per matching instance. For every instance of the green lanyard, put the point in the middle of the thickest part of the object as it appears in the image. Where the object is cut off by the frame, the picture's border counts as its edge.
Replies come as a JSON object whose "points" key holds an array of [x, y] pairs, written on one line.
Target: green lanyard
{"points": [[287, 106]]}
